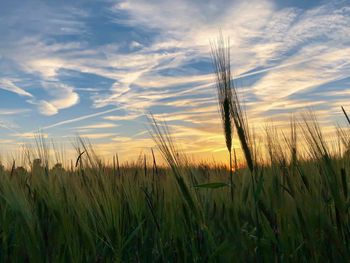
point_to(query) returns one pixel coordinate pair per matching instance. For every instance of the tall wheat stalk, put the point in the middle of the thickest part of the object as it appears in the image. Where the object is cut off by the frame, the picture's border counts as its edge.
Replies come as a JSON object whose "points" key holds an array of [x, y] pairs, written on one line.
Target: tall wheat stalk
{"points": [[241, 124], [230, 106], [221, 62], [232, 113]]}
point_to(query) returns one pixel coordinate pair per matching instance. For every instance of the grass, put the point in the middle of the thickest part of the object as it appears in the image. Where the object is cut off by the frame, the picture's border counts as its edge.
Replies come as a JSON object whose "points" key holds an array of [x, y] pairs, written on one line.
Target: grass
{"points": [[293, 207], [96, 213]]}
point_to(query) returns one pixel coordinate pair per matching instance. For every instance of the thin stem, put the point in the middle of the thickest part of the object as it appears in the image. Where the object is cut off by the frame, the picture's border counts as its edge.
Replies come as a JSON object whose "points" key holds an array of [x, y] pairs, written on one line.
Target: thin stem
{"points": [[231, 174], [235, 159], [346, 115]]}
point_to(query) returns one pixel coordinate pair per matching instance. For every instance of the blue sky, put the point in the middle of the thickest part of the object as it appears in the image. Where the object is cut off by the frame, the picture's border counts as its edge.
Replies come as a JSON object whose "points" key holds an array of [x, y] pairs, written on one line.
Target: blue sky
{"points": [[95, 68]]}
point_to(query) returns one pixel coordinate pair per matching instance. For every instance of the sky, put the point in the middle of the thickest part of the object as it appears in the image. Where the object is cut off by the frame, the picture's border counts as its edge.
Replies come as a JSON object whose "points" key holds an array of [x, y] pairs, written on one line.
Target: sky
{"points": [[97, 68]]}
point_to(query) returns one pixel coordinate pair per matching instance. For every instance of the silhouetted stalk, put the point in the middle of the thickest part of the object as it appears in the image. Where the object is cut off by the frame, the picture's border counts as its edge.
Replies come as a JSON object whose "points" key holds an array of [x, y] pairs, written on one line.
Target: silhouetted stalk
{"points": [[118, 167], [221, 63], [13, 168], [241, 124], [177, 163], [231, 175], [155, 169], [346, 115], [229, 101], [235, 159], [114, 165]]}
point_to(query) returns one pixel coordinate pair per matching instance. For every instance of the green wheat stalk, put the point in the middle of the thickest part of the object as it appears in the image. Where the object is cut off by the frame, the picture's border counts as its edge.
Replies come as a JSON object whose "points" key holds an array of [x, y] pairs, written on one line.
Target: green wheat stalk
{"points": [[221, 63]]}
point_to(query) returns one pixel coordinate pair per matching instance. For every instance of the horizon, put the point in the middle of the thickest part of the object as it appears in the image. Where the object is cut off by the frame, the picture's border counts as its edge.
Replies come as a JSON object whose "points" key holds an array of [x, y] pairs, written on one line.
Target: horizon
{"points": [[96, 69]]}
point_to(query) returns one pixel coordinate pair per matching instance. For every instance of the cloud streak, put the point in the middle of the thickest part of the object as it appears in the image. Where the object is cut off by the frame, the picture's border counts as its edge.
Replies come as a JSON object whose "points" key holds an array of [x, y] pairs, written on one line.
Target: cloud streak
{"points": [[80, 118], [8, 85]]}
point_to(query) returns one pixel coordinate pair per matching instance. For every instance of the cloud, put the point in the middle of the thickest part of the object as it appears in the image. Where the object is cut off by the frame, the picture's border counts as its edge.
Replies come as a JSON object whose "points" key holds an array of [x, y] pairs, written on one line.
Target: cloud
{"points": [[9, 127], [104, 125], [13, 111], [46, 108], [47, 67], [330, 66], [6, 141], [31, 44], [96, 135], [135, 44], [290, 50], [64, 97], [84, 117], [7, 84], [120, 118], [286, 51], [31, 135]]}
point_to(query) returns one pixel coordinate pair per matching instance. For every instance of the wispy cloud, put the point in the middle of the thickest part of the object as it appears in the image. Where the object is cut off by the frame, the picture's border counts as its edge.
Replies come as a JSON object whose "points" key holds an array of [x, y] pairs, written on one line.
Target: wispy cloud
{"points": [[31, 135], [7, 84], [120, 118], [8, 127], [96, 135], [97, 126], [80, 118], [12, 111]]}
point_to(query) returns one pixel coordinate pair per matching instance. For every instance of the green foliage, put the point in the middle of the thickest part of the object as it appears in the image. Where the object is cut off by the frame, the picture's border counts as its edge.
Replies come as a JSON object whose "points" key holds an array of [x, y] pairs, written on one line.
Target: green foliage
{"points": [[297, 210], [211, 185]]}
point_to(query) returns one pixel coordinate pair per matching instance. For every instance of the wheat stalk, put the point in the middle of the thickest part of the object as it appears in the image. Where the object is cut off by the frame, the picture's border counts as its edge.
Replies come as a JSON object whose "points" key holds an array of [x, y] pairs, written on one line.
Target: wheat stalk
{"points": [[221, 63]]}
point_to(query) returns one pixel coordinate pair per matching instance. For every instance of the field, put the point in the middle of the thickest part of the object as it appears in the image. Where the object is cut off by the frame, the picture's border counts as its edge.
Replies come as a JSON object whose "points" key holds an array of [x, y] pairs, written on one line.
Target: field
{"points": [[293, 209], [287, 202]]}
